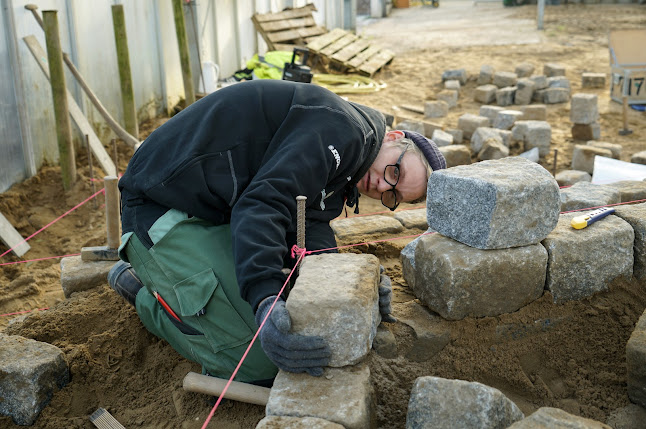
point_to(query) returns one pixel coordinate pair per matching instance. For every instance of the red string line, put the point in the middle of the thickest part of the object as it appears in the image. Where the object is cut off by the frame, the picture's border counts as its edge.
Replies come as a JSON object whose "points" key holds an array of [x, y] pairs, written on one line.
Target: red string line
{"points": [[23, 312], [39, 259], [55, 220]]}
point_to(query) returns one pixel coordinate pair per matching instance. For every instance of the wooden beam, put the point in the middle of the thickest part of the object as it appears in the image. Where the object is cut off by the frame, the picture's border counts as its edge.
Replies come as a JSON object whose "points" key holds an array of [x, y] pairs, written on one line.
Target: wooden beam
{"points": [[322, 41], [376, 62], [11, 238], [288, 14]]}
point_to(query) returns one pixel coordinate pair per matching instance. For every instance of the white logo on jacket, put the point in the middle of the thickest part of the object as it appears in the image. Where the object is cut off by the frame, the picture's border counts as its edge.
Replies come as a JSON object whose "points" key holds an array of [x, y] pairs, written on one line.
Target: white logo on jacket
{"points": [[337, 158]]}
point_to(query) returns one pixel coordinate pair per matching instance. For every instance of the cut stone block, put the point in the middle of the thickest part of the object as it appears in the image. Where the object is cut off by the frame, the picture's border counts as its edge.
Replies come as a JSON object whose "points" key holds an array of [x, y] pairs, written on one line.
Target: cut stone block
{"points": [[583, 157], [533, 134], [345, 313], [457, 74], [458, 281], [436, 109], [449, 96], [430, 127], [494, 204], [99, 253], [407, 257], [636, 363], [485, 94], [503, 79], [483, 134], [555, 418], [558, 82], [411, 125], [505, 96], [442, 138], [570, 177], [635, 215], [490, 112], [506, 119], [583, 195], [457, 135], [486, 75], [30, 372], [469, 122], [539, 95], [493, 149], [534, 112], [439, 403], [540, 82], [452, 84], [276, 422], [556, 95], [586, 131], [630, 190], [552, 69], [593, 80], [412, 218], [354, 227], [77, 275], [456, 154], [584, 109], [582, 262], [524, 70], [612, 147], [340, 395], [639, 157], [431, 335], [524, 91]]}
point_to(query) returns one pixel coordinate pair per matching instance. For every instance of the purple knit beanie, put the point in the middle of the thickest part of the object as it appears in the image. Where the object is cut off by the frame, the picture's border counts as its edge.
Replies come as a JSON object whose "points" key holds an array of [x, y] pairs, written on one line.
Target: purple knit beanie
{"points": [[429, 149]]}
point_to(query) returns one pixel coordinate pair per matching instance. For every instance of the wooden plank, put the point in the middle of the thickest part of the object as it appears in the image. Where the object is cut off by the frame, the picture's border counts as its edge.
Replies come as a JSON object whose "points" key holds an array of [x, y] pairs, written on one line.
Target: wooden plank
{"points": [[410, 107], [351, 50], [296, 34], [338, 45], [263, 33], [363, 56], [322, 41], [287, 24], [311, 31], [376, 62], [287, 14], [76, 113], [11, 238]]}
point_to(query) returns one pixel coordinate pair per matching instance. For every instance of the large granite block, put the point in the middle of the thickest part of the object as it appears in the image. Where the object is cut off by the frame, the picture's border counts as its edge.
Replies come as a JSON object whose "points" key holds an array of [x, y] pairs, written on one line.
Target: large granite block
{"points": [[555, 418], [582, 262], [449, 96], [630, 190], [503, 79], [494, 204], [458, 281], [345, 312], [78, 275], [570, 177], [354, 227], [635, 215], [612, 147], [439, 403], [636, 363], [456, 74], [412, 218], [553, 69], [584, 195], [553, 95], [524, 70]]}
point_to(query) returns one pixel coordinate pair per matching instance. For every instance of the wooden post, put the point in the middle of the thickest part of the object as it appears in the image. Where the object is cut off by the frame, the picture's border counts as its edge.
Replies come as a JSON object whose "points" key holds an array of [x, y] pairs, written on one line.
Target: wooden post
{"points": [[541, 10], [59, 91], [112, 219], [184, 57], [125, 75]]}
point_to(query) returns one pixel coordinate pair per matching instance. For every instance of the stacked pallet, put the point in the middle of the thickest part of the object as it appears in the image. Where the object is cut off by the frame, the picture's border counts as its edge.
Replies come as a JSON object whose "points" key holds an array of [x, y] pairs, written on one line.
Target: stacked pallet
{"points": [[282, 30]]}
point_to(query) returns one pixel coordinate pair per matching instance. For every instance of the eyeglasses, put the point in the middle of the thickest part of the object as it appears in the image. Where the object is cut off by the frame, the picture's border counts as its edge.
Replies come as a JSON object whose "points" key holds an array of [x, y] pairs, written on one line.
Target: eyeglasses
{"points": [[391, 175]]}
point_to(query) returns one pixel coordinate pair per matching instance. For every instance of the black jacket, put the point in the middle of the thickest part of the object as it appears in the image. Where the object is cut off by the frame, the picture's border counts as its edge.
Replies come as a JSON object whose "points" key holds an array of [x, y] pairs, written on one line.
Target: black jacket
{"points": [[242, 154]]}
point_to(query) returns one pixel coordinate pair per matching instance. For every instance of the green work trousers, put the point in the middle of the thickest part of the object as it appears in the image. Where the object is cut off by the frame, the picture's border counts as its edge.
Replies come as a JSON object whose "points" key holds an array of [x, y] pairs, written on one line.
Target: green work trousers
{"points": [[190, 265]]}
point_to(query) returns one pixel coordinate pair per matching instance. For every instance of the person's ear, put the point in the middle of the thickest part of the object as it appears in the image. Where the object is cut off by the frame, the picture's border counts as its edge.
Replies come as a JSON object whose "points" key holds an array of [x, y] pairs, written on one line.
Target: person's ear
{"points": [[394, 135]]}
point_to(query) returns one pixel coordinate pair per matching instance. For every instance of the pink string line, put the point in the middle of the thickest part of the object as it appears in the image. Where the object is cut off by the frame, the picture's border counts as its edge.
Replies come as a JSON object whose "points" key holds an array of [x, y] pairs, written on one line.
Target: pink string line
{"points": [[235, 371], [55, 220], [39, 259], [23, 312]]}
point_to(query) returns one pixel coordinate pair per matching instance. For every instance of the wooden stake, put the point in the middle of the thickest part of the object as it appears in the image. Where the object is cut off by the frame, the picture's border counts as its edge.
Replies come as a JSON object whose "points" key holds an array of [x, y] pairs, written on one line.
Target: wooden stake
{"points": [[89, 160], [116, 155], [125, 74], [59, 91], [112, 220], [184, 57]]}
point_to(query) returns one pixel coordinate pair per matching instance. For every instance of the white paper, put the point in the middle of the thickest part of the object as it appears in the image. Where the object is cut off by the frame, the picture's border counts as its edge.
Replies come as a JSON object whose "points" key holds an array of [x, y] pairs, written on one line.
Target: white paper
{"points": [[609, 170]]}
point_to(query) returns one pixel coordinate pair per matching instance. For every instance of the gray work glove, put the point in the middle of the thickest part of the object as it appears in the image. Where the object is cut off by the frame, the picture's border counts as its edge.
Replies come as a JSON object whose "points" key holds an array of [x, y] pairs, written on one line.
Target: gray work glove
{"points": [[385, 296], [289, 352]]}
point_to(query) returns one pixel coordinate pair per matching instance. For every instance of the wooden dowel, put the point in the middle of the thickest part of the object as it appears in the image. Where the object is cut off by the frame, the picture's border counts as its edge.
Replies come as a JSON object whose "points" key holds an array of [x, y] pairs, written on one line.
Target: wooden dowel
{"points": [[116, 155], [112, 218], [237, 391], [125, 74], [184, 57], [89, 160]]}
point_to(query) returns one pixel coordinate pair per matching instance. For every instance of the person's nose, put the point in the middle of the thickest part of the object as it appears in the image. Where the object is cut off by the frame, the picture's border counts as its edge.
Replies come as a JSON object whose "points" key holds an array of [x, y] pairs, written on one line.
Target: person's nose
{"points": [[382, 185]]}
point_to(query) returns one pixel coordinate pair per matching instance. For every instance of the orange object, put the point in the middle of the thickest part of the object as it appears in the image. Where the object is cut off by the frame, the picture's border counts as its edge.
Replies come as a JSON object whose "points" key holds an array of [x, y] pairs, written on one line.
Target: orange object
{"points": [[402, 3]]}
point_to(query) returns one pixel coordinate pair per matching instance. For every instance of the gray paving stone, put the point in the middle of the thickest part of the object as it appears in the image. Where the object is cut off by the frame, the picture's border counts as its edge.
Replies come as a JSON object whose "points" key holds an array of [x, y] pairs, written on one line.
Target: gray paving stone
{"points": [[582, 262], [593, 80], [469, 122], [539, 95], [506, 119], [493, 204], [485, 94], [411, 125], [636, 363], [30, 372], [341, 395], [586, 131], [452, 84], [524, 91], [457, 134], [570, 177], [635, 215], [345, 313], [458, 281], [584, 109], [533, 134], [442, 138], [502, 79], [486, 75], [553, 69], [440, 403], [490, 111], [430, 127], [413, 218], [276, 422], [505, 96], [77, 275], [449, 96], [457, 74], [555, 418], [584, 195], [583, 157], [457, 154], [639, 157], [436, 109], [493, 149], [534, 112], [540, 82], [483, 134], [630, 190], [354, 227], [612, 147], [558, 82], [524, 70], [556, 95]]}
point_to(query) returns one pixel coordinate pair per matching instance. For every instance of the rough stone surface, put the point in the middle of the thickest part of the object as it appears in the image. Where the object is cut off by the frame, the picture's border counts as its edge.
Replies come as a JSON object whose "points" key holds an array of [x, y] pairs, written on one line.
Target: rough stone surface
{"points": [[457, 134], [276, 422], [30, 372], [639, 157], [458, 281], [407, 257], [452, 84], [431, 335], [540, 82], [539, 95], [524, 70], [583, 195], [482, 135], [503, 79], [385, 343], [345, 313], [340, 395], [630, 190], [411, 125], [456, 154], [506, 119], [440, 403], [584, 109], [635, 215], [629, 417], [552, 69], [534, 112], [586, 131], [558, 82], [490, 112], [636, 363], [412, 218], [449, 96], [352, 227], [493, 149], [485, 94], [494, 204], [430, 127], [524, 91], [583, 157], [457, 74], [612, 147], [593, 80], [582, 262], [555, 418], [442, 138], [436, 109], [469, 122], [77, 275], [570, 177], [533, 134], [505, 96], [486, 74], [556, 95]]}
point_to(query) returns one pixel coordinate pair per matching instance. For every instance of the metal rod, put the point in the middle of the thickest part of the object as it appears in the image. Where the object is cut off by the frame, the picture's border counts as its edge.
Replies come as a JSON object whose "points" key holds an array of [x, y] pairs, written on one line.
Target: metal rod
{"points": [[556, 155], [300, 221], [112, 220], [89, 160]]}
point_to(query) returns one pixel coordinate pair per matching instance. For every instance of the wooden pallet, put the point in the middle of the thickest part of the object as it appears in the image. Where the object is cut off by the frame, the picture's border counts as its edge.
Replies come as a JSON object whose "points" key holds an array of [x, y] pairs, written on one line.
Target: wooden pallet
{"points": [[283, 30]]}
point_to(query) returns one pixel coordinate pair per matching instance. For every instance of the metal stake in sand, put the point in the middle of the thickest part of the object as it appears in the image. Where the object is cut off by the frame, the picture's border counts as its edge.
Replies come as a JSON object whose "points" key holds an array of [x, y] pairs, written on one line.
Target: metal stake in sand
{"points": [[112, 221], [300, 221], [556, 154], [625, 131]]}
